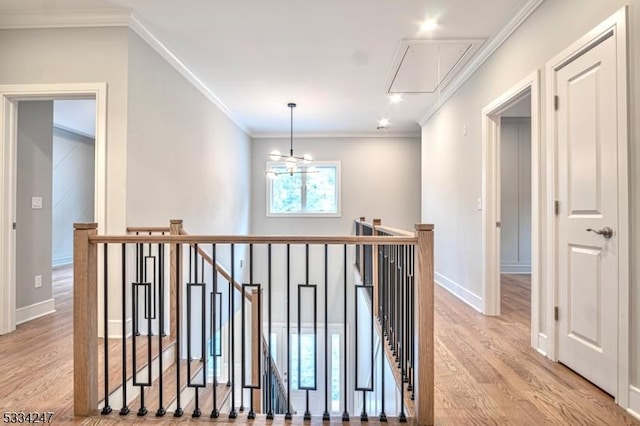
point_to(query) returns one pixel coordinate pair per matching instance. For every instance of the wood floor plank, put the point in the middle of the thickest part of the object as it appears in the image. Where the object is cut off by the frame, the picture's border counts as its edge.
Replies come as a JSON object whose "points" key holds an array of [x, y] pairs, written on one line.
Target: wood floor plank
{"points": [[486, 372]]}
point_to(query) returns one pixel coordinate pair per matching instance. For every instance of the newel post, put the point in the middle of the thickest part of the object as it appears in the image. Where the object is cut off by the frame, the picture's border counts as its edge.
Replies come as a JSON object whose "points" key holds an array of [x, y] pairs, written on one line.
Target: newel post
{"points": [[85, 320], [175, 259], [424, 341]]}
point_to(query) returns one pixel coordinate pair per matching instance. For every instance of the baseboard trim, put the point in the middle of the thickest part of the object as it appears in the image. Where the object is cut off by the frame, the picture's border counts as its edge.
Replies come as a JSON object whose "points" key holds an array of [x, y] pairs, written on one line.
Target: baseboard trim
{"points": [[62, 261], [634, 402], [115, 328], [460, 292], [34, 311], [515, 268], [542, 344]]}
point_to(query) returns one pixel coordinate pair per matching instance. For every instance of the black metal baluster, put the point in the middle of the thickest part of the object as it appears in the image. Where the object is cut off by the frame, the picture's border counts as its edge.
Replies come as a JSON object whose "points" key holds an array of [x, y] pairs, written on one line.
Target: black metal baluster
{"points": [[233, 413], [179, 411], [215, 413], [161, 410], [345, 413], [287, 415], [382, 417], [307, 412], [413, 329], [269, 389], [402, 416], [325, 414], [252, 413], [143, 409], [107, 408], [363, 415], [203, 342], [125, 408]]}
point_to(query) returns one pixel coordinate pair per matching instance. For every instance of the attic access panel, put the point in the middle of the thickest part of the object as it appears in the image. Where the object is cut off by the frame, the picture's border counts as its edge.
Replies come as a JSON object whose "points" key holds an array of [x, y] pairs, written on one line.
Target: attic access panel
{"points": [[426, 66]]}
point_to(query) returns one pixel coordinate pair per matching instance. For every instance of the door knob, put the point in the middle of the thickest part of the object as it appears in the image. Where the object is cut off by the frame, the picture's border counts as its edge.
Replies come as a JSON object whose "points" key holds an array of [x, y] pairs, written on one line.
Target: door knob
{"points": [[606, 232]]}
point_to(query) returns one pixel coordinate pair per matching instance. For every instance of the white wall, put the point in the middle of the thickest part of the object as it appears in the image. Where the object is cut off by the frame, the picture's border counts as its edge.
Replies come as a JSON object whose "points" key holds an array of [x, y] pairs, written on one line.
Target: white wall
{"points": [[186, 159], [73, 189], [79, 55], [380, 179], [33, 234], [451, 172], [515, 209]]}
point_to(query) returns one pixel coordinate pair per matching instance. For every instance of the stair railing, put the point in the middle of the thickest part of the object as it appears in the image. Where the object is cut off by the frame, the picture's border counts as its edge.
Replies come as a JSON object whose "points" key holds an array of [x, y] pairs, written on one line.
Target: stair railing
{"points": [[194, 297]]}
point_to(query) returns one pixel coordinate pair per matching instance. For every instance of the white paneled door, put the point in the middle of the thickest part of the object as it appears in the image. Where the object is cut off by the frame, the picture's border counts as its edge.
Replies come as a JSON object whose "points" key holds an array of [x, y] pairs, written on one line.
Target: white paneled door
{"points": [[588, 214]]}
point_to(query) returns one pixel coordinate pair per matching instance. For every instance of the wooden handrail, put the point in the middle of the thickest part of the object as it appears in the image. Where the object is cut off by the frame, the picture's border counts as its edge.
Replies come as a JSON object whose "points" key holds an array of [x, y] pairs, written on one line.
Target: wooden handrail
{"points": [[394, 231], [131, 229], [251, 239], [219, 268]]}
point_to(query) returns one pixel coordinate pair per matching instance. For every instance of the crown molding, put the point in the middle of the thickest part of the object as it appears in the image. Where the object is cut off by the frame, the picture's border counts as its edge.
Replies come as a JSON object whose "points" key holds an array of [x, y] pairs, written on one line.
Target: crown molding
{"points": [[64, 19], [139, 28], [114, 18], [336, 135], [482, 55]]}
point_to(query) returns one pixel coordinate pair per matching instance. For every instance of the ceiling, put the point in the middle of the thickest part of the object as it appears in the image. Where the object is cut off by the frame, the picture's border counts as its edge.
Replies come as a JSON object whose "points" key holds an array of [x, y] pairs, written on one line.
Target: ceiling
{"points": [[334, 58]]}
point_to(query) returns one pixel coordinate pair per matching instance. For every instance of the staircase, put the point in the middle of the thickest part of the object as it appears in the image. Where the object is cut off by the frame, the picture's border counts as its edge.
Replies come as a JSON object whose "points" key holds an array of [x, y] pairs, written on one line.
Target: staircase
{"points": [[185, 317]]}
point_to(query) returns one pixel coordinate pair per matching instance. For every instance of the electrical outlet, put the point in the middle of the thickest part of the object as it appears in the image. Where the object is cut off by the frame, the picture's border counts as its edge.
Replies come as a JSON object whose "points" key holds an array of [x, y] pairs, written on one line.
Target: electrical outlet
{"points": [[241, 263], [38, 281]]}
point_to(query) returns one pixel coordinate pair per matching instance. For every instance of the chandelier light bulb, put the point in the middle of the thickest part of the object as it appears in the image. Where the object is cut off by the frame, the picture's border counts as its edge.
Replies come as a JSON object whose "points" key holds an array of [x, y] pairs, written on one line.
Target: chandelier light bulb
{"points": [[275, 155], [307, 158], [272, 174]]}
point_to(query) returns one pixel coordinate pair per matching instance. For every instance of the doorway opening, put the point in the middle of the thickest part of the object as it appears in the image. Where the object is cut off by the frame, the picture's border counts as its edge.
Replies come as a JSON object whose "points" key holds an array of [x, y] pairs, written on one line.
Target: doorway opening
{"points": [[514, 116], [515, 213], [20, 207], [55, 165]]}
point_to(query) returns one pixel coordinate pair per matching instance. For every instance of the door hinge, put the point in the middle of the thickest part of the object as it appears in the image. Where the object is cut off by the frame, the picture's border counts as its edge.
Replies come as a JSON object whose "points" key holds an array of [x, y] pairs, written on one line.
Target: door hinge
{"points": [[556, 207], [556, 313], [498, 224], [14, 225], [556, 102]]}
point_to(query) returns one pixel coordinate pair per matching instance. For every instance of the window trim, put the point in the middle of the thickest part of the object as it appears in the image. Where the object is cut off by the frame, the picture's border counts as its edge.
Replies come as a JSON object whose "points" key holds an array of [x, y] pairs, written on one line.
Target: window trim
{"points": [[338, 213]]}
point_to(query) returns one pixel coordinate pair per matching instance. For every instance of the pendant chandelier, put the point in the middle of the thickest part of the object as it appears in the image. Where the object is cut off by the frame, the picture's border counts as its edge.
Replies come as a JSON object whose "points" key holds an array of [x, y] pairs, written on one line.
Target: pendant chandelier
{"points": [[291, 161]]}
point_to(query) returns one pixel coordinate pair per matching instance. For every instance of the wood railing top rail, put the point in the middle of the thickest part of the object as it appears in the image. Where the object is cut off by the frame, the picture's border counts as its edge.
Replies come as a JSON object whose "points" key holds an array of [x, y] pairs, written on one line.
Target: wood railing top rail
{"points": [[394, 231], [131, 229], [252, 239], [220, 269]]}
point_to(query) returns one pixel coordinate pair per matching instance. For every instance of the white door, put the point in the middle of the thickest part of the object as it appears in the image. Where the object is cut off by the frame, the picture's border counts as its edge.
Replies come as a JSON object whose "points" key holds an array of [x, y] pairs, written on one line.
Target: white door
{"points": [[588, 195]]}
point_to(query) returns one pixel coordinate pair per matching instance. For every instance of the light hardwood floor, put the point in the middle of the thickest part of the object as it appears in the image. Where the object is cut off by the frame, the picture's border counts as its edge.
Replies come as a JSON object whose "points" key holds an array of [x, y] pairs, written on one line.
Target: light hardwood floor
{"points": [[486, 373]]}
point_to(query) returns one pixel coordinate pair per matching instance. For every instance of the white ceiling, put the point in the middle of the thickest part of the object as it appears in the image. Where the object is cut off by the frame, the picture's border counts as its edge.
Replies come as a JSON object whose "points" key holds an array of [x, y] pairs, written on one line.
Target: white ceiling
{"points": [[331, 57]]}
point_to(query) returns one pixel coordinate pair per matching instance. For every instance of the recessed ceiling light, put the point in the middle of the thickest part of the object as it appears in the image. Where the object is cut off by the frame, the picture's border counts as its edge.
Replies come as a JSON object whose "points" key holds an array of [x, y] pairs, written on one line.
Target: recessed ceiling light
{"points": [[395, 98], [429, 25], [383, 123]]}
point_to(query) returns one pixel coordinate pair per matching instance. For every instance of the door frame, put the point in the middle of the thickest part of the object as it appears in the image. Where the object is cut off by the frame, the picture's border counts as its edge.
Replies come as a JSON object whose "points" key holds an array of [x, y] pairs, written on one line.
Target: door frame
{"points": [[491, 196], [617, 26], [10, 94]]}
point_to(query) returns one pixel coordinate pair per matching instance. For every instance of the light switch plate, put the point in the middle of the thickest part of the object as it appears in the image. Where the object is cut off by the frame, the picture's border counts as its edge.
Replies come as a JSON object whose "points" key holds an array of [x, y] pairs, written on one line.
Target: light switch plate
{"points": [[38, 281], [36, 202]]}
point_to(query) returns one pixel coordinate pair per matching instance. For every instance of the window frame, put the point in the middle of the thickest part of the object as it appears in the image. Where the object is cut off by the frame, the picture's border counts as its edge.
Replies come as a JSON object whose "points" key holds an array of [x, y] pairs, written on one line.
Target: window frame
{"points": [[338, 192]]}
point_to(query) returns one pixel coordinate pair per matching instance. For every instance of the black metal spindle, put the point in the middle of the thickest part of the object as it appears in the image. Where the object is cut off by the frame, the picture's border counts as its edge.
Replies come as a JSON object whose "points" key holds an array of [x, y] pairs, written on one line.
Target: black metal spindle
{"points": [[325, 414], [106, 409], [125, 408], [345, 413], [215, 413], [269, 389], [178, 411], [381, 285], [161, 410], [233, 413], [287, 415], [252, 413]]}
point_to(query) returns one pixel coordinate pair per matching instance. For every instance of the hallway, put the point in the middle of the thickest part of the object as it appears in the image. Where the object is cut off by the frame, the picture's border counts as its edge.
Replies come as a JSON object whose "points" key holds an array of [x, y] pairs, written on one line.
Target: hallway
{"points": [[486, 373]]}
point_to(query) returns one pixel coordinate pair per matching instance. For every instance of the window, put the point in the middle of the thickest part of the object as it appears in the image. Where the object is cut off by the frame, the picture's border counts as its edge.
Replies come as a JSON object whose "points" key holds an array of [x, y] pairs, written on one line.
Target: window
{"points": [[315, 193]]}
